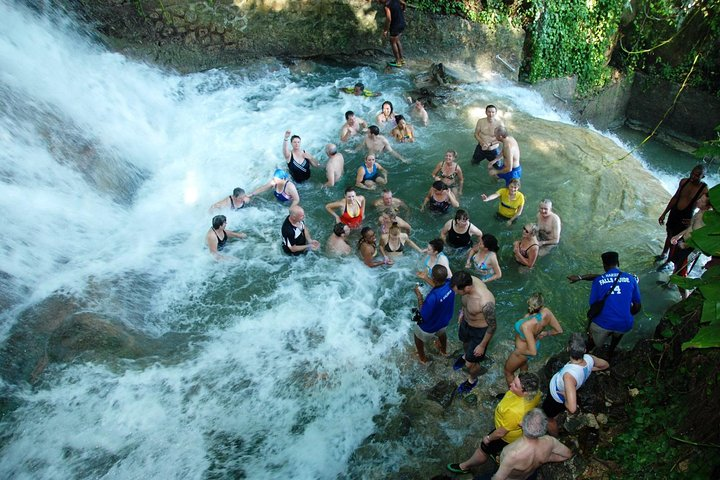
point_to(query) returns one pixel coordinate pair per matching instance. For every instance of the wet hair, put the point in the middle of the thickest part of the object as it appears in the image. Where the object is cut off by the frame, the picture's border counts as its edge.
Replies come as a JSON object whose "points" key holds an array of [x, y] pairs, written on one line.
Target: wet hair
{"points": [[218, 221], [533, 228], [398, 118], [461, 215], [363, 232], [546, 202], [360, 86], [461, 280], [611, 259], [490, 242], [294, 137], [439, 273], [387, 102], [374, 129], [514, 181], [349, 189], [501, 132], [536, 302], [491, 106], [576, 346], [238, 191], [331, 148], [339, 229], [454, 153], [437, 244], [349, 114], [439, 185], [394, 229], [529, 382], [534, 423]]}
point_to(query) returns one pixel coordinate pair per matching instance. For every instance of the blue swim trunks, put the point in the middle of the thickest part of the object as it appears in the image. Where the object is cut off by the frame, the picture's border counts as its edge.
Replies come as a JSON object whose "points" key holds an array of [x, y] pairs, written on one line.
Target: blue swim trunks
{"points": [[514, 173]]}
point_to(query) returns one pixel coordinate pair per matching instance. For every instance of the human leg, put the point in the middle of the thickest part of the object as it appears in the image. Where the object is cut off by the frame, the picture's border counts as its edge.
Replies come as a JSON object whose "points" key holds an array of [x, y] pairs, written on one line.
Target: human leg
{"points": [[395, 44], [442, 342], [478, 458], [514, 362], [420, 346]]}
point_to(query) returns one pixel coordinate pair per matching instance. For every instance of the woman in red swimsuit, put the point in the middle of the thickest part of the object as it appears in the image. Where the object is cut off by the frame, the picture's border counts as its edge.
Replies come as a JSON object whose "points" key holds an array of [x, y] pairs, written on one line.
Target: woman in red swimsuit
{"points": [[353, 208]]}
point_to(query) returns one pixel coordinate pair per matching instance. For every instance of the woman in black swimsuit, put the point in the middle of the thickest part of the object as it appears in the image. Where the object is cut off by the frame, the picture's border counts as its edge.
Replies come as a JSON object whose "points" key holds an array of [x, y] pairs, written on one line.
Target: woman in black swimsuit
{"points": [[439, 198], [526, 249], [298, 160], [217, 236]]}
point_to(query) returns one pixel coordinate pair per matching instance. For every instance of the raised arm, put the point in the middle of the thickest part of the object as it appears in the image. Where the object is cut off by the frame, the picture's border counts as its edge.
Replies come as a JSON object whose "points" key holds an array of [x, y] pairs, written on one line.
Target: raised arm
{"points": [[286, 146], [291, 191], [262, 188], [453, 200], [487, 198]]}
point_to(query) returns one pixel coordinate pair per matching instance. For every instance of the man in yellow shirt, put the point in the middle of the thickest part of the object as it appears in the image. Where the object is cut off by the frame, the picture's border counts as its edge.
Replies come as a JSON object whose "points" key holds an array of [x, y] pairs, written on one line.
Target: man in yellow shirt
{"points": [[522, 397]]}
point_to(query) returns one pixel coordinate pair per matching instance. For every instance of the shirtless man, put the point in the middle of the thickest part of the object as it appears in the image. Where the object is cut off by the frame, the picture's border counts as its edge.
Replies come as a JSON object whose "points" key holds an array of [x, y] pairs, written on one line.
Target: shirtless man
{"points": [[335, 165], [233, 202], [418, 112], [388, 201], [520, 459], [376, 143], [682, 205], [477, 324], [337, 243], [510, 157], [488, 148], [549, 226], [352, 126]]}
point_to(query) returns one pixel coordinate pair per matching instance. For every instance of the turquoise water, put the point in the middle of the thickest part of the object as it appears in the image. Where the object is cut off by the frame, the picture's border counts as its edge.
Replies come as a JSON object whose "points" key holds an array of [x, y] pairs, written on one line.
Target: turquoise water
{"points": [[291, 367]]}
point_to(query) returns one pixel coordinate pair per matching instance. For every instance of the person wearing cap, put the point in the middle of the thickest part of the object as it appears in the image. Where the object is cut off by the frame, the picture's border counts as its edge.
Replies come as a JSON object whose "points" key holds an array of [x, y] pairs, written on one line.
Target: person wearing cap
{"points": [[284, 189], [616, 317]]}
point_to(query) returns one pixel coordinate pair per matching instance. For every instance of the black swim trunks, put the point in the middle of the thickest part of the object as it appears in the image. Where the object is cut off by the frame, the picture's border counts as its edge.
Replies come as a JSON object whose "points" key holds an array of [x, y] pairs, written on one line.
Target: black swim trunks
{"points": [[479, 155], [471, 338]]}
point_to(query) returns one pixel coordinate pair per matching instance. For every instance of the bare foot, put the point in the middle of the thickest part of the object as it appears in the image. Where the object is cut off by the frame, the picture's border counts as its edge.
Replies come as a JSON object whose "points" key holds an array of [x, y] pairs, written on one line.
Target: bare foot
{"points": [[423, 360], [437, 345]]}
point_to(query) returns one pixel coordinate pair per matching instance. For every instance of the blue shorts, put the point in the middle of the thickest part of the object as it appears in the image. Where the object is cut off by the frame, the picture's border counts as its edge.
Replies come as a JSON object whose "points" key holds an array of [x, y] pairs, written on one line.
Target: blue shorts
{"points": [[514, 173]]}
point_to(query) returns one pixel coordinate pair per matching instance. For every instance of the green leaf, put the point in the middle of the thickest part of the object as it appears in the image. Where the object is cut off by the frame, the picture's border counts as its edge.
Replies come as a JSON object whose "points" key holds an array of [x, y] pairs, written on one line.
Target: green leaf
{"points": [[707, 337], [711, 219], [710, 311], [706, 239], [714, 192]]}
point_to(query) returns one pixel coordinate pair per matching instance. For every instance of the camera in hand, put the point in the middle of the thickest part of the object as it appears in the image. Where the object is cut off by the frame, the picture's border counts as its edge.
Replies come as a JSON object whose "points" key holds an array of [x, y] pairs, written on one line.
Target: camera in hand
{"points": [[417, 318]]}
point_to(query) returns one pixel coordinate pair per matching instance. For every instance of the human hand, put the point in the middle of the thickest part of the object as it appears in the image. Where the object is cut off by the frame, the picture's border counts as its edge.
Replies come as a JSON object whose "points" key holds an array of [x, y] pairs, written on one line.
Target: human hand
{"points": [[314, 244], [484, 197], [287, 134], [573, 278], [509, 223], [661, 220], [479, 351], [384, 34]]}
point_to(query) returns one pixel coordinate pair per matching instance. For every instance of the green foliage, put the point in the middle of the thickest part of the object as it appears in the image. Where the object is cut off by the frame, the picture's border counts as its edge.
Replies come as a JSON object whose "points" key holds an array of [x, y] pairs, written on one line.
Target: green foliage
{"points": [[572, 37], [707, 240], [710, 150], [666, 35]]}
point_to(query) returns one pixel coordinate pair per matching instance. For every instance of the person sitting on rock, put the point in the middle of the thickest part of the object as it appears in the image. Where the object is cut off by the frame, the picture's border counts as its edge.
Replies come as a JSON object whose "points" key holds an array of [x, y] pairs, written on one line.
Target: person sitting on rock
{"points": [[564, 384]]}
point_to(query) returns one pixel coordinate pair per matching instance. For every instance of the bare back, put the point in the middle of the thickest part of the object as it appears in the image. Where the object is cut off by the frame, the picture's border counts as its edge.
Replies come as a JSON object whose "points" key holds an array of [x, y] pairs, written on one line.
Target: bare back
{"points": [[511, 152], [521, 458]]}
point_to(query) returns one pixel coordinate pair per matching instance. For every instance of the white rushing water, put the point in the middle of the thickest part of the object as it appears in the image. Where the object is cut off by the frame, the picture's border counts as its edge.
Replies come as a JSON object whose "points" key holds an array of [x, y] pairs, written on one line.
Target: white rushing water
{"points": [[107, 171]]}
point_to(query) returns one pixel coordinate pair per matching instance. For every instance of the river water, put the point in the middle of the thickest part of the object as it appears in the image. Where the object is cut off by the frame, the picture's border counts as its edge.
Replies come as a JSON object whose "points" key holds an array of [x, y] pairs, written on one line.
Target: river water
{"points": [[268, 366]]}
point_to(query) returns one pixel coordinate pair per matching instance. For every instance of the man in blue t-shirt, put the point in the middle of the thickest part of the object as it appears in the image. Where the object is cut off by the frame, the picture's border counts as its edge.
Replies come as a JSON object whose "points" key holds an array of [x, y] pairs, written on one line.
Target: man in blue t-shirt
{"points": [[616, 317], [436, 310]]}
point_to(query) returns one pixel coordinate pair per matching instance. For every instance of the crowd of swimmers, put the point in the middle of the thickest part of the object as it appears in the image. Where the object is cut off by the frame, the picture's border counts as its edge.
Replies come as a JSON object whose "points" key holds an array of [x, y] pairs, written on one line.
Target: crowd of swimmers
{"points": [[614, 296]]}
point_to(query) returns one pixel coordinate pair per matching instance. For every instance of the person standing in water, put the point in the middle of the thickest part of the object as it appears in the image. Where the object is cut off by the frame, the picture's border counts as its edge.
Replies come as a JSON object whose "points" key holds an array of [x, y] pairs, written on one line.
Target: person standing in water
{"points": [[233, 202], [394, 27], [337, 243], [295, 235], [217, 236], [681, 206], [436, 311], [488, 147], [477, 322], [298, 160], [549, 227], [353, 209], [283, 188], [510, 168], [335, 165]]}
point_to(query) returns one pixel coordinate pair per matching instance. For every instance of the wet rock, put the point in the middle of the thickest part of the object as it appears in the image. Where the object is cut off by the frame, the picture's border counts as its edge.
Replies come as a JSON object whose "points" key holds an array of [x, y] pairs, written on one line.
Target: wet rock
{"points": [[442, 393]]}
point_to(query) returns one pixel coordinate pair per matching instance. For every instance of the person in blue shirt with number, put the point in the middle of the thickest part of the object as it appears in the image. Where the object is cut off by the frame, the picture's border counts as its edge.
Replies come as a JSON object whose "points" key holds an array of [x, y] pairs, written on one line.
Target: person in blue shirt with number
{"points": [[436, 310]]}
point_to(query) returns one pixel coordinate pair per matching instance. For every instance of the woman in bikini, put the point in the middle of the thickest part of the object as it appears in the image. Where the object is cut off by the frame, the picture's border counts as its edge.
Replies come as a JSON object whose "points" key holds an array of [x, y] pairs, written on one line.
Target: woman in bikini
{"points": [[283, 188], [528, 332], [403, 132], [353, 209], [393, 243], [367, 248], [435, 256], [439, 198], [449, 172], [298, 160], [526, 249], [483, 257]]}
